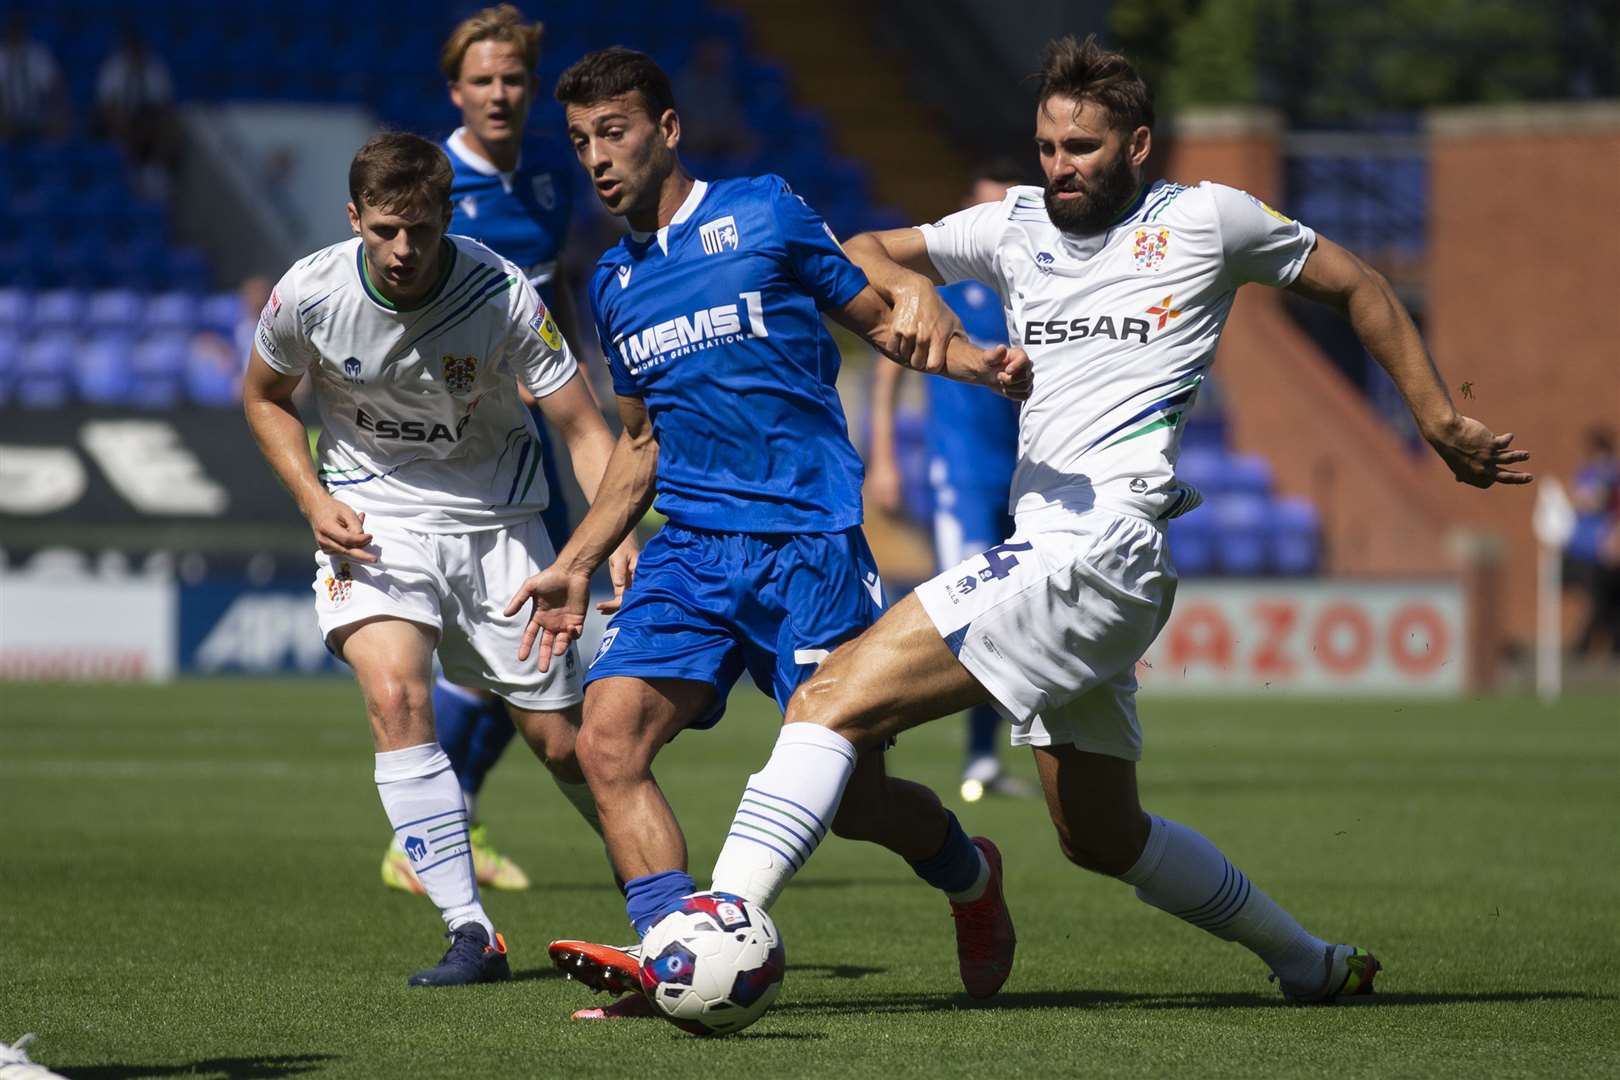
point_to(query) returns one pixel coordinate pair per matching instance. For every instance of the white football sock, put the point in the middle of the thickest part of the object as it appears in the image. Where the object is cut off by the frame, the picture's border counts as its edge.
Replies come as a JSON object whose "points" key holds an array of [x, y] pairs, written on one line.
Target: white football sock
{"points": [[425, 804], [1183, 873], [579, 797], [785, 812], [471, 799]]}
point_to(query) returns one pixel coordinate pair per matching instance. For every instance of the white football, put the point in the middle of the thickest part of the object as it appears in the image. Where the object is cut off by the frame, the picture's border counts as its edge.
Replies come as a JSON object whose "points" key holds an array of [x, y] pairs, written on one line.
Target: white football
{"points": [[714, 965]]}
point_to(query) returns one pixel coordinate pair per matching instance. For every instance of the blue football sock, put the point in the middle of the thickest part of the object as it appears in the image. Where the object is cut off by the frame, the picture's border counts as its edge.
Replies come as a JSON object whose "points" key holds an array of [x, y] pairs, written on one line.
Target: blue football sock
{"points": [[956, 867], [455, 712], [650, 898], [982, 724], [492, 732]]}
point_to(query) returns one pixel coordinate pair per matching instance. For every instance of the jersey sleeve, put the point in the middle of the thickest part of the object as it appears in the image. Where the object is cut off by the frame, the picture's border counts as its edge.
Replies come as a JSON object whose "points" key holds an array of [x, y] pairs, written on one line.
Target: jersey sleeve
{"points": [[535, 348], [1258, 243], [279, 337], [963, 245], [624, 384], [814, 255]]}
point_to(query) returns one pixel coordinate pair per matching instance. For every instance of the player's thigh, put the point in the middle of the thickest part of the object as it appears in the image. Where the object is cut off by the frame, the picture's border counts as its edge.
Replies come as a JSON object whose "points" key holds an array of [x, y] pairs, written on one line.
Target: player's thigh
{"points": [[627, 720], [393, 663], [899, 673], [550, 733], [480, 644], [1093, 802]]}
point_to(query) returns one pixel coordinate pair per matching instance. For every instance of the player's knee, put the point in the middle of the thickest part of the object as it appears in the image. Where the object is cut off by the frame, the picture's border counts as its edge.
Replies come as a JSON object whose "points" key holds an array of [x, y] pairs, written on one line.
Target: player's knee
{"points": [[1099, 853], [606, 756], [400, 705], [825, 698]]}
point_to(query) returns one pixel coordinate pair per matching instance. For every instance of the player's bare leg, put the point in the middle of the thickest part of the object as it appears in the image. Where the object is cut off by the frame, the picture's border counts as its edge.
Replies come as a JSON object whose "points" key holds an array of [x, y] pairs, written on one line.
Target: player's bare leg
{"points": [[1101, 827], [897, 674], [393, 663]]}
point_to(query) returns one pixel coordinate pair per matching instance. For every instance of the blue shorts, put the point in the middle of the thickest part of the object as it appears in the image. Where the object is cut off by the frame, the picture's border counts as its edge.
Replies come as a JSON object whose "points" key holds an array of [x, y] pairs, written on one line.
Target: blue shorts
{"points": [[705, 606]]}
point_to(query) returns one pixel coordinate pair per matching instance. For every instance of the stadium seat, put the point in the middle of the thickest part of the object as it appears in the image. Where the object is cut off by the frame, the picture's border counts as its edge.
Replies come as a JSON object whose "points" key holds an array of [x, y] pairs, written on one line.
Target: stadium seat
{"points": [[115, 310], [44, 371], [212, 372], [220, 311], [16, 306], [59, 309], [1241, 521], [101, 369], [172, 311], [1296, 537], [157, 366], [1204, 468], [1192, 543], [10, 347], [1248, 474]]}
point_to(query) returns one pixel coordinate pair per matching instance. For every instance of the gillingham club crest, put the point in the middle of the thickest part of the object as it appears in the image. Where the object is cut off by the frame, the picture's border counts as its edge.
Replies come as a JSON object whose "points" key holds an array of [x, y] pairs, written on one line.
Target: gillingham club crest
{"points": [[459, 373], [1149, 247]]}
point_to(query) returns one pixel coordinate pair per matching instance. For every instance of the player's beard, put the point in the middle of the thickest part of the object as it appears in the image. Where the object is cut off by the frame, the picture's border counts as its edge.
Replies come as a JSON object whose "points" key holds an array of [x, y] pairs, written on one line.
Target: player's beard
{"points": [[1103, 200]]}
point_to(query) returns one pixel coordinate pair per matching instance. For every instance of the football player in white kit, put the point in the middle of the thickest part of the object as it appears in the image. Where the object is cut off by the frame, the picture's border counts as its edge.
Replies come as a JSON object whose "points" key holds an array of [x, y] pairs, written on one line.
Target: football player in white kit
{"points": [[1118, 292], [426, 499]]}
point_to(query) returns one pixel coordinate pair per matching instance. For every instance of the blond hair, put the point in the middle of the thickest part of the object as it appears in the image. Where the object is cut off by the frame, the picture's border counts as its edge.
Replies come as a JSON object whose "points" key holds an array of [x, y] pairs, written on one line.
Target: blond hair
{"points": [[504, 22]]}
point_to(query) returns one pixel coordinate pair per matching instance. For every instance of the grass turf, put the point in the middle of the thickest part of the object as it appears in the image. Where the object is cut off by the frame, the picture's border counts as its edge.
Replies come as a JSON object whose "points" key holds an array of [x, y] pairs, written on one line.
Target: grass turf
{"points": [[188, 886]]}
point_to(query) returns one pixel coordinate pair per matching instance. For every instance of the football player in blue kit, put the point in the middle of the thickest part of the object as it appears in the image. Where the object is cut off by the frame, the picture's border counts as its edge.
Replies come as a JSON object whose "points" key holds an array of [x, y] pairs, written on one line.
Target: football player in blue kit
{"points": [[514, 193], [972, 445], [710, 315]]}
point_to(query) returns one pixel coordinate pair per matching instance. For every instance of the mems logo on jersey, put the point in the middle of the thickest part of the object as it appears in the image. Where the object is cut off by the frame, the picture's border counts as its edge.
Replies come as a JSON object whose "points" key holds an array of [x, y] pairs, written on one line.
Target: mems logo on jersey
{"points": [[683, 335]]}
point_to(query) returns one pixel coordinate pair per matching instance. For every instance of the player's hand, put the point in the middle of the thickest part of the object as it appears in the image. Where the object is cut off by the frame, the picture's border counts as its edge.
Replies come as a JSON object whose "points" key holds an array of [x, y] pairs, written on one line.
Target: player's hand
{"points": [[1010, 371], [1478, 457], [883, 483], [622, 569], [921, 326], [558, 617], [339, 530]]}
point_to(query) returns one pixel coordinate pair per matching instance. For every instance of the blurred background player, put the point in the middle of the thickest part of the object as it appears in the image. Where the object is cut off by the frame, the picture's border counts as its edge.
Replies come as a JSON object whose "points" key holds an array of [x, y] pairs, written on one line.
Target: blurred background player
{"points": [[425, 508], [515, 193], [972, 444], [710, 314], [1593, 554]]}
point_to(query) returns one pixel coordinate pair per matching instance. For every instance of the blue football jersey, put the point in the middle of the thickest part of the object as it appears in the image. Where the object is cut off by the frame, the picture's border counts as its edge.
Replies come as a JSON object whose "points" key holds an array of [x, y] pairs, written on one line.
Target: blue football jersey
{"points": [[715, 323], [523, 214], [974, 429]]}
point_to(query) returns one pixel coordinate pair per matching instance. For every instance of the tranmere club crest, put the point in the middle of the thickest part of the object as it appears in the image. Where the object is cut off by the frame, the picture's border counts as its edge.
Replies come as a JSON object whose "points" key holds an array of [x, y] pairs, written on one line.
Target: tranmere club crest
{"points": [[460, 372], [1150, 246]]}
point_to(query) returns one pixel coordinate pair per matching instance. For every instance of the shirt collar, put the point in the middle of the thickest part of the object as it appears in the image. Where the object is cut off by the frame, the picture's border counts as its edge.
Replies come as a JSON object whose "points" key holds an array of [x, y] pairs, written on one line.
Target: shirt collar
{"points": [[688, 208], [475, 161]]}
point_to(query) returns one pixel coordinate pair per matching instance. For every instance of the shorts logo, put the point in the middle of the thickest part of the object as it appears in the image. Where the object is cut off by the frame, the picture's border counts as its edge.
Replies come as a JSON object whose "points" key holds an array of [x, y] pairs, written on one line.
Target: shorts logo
{"points": [[1138, 485], [719, 235], [999, 562], [546, 327], [351, 370], [606, 643], [1149, 247], [339, 583], [460, 372], [545, 191]]}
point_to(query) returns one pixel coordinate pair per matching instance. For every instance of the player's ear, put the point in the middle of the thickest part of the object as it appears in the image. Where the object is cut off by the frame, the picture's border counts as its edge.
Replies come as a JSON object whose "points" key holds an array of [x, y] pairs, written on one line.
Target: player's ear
{"points": [[669, 125], [1141, 145], [354, 218], [455, 92]]}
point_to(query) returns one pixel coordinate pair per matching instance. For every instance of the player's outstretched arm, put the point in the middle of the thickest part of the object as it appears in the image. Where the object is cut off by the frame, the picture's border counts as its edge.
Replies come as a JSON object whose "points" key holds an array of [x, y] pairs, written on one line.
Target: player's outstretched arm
{"points": [[1333, 275], [560, 592], [279, 431], [897, 265], [1003, 369], [572, 411]]}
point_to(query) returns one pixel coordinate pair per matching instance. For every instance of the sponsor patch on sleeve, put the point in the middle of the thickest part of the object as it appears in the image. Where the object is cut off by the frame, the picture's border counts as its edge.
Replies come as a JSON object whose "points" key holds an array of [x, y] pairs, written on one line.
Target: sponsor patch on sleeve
{"points": [[546, 327], [1278, 214]]}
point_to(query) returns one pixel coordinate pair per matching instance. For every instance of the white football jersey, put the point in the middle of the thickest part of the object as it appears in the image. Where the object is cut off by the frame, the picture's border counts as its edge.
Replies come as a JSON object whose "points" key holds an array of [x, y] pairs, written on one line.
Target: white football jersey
{"points": [[420, 416], [1121, 328]]}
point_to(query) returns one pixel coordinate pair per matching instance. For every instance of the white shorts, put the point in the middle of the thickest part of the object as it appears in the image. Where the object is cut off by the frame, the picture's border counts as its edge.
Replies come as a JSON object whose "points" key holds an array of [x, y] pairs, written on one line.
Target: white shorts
{"points": [[457, 583], [1053, 621]]}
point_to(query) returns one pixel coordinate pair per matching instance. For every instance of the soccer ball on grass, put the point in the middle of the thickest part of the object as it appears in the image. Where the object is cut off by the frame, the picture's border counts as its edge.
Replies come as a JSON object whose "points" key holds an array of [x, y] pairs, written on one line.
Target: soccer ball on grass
{"points": [[713, 965]]}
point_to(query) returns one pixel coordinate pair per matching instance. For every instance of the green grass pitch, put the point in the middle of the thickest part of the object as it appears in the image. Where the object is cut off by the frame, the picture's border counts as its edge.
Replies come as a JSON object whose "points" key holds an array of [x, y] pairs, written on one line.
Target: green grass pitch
{"points": [[188, 886]]}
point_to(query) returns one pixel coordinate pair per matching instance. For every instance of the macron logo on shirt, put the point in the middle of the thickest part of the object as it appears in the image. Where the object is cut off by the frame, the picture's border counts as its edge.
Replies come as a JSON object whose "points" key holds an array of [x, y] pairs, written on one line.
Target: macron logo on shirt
{"points": [[684, 334], [719, 235]]}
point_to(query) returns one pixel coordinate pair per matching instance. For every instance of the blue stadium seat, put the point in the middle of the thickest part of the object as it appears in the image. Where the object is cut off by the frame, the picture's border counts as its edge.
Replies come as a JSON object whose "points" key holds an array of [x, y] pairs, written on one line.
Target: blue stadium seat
{"points": [[16, 306], [1248, 474], [211, 373], [1296, 537], [59, 309], [44, 371], [10, 348], [101, 369], [220, 311], [172, 311], [157, 366], [115, 310], [1204, 468], [1192, 543], [1203, 429], [1241, 534]]}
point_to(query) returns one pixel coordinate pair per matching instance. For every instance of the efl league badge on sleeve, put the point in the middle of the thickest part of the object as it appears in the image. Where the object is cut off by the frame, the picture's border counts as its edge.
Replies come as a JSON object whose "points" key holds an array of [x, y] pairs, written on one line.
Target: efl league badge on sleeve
{"points": [[460, 373], [546, 327], [1149, 247]]}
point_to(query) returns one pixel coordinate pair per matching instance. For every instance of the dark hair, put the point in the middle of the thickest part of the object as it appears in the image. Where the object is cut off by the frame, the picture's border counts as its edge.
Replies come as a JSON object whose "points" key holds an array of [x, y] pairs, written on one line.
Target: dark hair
{"points": [[608, 73], [1085, 71], [999, 170], [397, 170]]}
